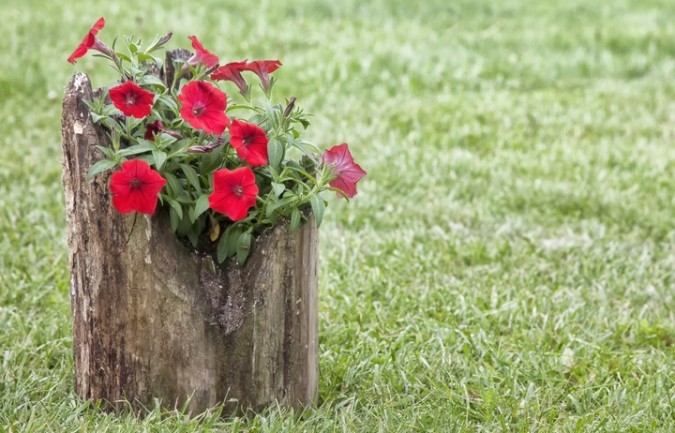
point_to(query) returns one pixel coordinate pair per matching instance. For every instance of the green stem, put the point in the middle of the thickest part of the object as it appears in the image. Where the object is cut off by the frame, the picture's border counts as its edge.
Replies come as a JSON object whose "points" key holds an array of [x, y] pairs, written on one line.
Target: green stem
{"points": [[243, 107]]}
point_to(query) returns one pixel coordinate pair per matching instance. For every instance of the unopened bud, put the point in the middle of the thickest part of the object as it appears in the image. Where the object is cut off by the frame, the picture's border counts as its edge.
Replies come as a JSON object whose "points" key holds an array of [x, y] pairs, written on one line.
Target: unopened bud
{"points": [[164, 39], [289, 107]]}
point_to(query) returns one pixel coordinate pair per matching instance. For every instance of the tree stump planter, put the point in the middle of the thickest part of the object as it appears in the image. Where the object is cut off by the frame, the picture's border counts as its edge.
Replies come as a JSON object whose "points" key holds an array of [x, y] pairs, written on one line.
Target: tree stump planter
{"points": [[154, 319]]}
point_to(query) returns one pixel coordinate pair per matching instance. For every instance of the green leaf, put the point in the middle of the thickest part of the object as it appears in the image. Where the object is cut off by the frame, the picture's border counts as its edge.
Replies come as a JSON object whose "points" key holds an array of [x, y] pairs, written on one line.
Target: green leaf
{"points": [[191, 214], [143, 141], [142, 57], [278, 188], [169, 102], [221, 249], [166, 140], [275, 152], [177, 207], [124, 57], [296, 218], [133, 123], [276, 204], [174, 185], [243, 247], [174, 219], [227, 246], [179, 146], [136, 149], [184, 226], [95, 117], [100, 166], [108, 152], [305, 148], [159, 157], [191, 176], [147, 158], [274, 173], [193, 236], [202, 205], [150, 79], [318, 207]]}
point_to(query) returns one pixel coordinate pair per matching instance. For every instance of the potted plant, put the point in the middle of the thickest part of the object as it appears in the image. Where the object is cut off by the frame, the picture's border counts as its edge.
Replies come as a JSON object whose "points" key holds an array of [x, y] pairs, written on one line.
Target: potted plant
{"points": [[210, 295]]}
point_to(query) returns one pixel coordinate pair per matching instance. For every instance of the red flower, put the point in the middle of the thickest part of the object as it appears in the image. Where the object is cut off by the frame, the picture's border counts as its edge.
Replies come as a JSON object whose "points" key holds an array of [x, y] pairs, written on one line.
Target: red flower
{"points": [[132, 99], [91, 42], [201, 55], [232, 72], [234, 192], [203, 107], [347, 172], [135, 188], [250, 142], [262, 68], [153, 129]]}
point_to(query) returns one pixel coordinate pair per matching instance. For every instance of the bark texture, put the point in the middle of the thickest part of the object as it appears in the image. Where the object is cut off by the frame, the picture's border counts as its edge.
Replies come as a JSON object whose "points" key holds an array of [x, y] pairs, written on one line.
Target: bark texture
{"points": [[153, 319]]}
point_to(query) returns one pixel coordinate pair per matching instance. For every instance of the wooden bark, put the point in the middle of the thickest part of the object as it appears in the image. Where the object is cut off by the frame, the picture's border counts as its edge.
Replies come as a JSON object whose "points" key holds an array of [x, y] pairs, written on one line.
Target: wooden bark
{"points": [[153, 319]]}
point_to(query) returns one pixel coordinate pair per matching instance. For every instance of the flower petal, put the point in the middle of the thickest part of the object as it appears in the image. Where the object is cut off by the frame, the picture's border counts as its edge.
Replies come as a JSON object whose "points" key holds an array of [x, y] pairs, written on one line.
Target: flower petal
{"points": [[250, 142], [234, 193], [87, 42], [132, 100], [201, 54], [203, 107], [136, 187], [347, 172]]}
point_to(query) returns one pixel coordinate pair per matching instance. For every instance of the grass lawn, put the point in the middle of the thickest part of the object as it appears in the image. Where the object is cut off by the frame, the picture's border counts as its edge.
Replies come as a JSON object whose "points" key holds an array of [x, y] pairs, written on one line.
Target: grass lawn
{"points": [[509, 262]]}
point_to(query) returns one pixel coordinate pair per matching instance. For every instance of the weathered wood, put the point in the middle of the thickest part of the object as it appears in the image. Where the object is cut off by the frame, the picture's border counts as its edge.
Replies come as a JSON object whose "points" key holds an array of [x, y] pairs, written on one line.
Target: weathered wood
{"points": [[154, 319]]}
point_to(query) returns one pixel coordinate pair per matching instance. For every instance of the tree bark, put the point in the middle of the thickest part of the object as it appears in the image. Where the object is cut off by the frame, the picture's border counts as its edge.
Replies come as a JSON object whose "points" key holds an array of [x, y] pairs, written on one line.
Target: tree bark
{"points": [[153, 319]]}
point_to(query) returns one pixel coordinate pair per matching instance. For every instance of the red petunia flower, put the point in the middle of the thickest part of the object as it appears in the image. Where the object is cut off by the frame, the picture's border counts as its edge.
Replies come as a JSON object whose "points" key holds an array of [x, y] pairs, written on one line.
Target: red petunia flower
{"points": [[250, 142], [232, 72], [201, 55], [262, 68], [347, 172], [132, 99], [153, 129], [203, 106], [91, 42], [234, 192], [136, 187]]}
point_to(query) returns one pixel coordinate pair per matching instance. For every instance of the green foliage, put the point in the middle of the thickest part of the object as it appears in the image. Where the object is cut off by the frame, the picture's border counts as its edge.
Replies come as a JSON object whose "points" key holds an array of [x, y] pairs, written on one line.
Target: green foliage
{"points": [[188, 157], [508, 266]]}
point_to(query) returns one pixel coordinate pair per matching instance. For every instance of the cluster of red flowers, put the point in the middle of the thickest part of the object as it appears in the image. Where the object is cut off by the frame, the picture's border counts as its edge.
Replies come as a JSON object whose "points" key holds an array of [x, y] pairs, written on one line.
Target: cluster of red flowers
{"points": [[136, 186]]}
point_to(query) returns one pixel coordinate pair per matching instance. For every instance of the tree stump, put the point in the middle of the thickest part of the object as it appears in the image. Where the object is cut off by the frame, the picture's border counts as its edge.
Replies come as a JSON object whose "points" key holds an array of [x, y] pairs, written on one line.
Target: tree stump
{"points": [[155, 319]]}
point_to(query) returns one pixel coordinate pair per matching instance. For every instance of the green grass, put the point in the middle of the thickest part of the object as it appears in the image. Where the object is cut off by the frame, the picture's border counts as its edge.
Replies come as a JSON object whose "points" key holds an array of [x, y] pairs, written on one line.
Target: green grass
{"points": [[509, 262]]}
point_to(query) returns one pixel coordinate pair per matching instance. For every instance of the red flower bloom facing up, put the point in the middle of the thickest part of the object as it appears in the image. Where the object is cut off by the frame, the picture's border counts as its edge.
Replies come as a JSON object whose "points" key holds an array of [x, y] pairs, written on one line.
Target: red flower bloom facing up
{"points": [[263, 69], [250, 142], [232, 72], [347, 172], [136, 187], [91, 42], [132, 100], [234, 192], [203, 106], [201, 55]]}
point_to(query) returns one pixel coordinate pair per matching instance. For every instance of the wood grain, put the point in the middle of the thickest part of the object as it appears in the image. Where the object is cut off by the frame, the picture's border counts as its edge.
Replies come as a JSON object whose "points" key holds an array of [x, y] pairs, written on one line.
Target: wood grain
{"points": [[155, 319]]}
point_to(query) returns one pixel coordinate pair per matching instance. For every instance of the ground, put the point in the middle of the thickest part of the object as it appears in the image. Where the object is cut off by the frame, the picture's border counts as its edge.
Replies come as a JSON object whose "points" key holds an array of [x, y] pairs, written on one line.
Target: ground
{"points": [[509, 261]]}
